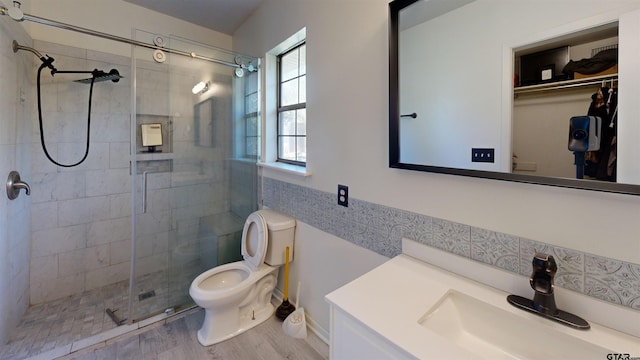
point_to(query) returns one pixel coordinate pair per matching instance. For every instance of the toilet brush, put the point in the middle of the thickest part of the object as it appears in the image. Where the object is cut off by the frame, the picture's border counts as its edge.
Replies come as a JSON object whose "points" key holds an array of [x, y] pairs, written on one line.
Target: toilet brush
{"points": [[286, 307], [295, 325]]}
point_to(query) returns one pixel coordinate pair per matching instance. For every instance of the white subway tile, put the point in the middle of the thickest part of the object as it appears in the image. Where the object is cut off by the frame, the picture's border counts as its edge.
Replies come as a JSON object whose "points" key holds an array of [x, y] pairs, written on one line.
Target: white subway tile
{"points": [[57, 288], [53, 241], [119, 205], [120, 251], [43, 268], [108, 182], [119, 156], [82, 260], [108, 231], [82, 211], [106, 276]]}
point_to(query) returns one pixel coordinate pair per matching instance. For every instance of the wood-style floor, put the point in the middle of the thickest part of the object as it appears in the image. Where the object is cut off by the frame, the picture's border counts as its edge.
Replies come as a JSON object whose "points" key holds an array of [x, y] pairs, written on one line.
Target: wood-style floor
{"points": [[177, 340]]}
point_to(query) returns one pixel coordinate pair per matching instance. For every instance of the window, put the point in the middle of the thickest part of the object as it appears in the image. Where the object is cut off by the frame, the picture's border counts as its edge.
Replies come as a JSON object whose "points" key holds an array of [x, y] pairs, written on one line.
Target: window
{"points": [[251, 125], [292, 106]]}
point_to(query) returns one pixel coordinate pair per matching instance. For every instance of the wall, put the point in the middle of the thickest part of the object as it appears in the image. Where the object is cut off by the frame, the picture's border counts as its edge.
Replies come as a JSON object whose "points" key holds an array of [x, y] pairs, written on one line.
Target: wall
{"points": [[347, 65], [16, 102], [72, 250]]}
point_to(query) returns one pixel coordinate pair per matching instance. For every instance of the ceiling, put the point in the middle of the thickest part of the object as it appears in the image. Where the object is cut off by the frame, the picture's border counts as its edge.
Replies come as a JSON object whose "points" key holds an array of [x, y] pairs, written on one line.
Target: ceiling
{"points": [[224, 16]]}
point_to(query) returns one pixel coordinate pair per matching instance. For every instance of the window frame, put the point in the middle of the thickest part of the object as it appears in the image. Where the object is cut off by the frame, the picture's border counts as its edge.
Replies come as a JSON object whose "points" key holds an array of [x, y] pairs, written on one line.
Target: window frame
{"points": [[248, 117], [280, 109]]}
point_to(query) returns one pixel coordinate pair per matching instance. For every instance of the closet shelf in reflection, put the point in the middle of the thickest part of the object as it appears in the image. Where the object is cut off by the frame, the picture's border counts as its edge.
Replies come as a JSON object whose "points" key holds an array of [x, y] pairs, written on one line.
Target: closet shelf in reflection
{"points": [[567, 84]]}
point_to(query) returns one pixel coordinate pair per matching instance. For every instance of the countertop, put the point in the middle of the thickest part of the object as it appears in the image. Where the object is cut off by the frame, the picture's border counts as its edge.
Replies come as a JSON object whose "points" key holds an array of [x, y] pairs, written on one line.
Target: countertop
{"points": [[392, 298]]}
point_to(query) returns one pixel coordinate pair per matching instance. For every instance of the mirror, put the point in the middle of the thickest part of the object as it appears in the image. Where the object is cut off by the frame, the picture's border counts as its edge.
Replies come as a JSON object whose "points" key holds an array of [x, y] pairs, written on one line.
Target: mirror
{"points": [[204, 123], [477, 88]]}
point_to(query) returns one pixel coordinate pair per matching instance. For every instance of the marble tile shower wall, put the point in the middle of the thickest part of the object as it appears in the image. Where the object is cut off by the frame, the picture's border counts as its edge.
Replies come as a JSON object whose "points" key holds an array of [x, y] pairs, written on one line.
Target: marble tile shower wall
{"points": [[81, 228], [16, 89], [81, 221], [380, 228]]}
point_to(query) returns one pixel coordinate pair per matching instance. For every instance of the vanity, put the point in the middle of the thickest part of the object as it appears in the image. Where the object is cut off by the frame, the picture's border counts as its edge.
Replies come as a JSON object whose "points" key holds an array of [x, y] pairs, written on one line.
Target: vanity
{"points": [[408, 309]]}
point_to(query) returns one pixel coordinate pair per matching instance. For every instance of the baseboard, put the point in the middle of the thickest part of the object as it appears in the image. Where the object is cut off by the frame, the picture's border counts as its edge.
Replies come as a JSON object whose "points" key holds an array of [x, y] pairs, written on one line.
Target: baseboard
{"points": [[312, 325]]}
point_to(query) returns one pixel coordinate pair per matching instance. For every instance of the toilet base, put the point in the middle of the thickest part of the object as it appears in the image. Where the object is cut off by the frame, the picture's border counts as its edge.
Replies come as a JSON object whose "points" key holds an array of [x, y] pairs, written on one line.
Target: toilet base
{"points": [[207, 335]]}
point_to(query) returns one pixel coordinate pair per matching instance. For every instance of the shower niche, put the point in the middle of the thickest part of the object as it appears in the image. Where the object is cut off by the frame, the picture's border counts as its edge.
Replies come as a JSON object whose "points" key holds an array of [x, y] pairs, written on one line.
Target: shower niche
{"points": [[150, 139]]}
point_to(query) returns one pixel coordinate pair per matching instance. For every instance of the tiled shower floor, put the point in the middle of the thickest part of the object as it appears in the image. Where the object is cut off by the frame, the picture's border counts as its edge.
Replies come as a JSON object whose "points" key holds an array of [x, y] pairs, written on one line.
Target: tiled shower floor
{"points": [[51, 325]]}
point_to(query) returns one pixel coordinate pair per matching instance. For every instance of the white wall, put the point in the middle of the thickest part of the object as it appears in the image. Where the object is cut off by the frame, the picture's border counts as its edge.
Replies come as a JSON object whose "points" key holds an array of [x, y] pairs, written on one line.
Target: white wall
{"points": [[16, 102], [347, 67]]}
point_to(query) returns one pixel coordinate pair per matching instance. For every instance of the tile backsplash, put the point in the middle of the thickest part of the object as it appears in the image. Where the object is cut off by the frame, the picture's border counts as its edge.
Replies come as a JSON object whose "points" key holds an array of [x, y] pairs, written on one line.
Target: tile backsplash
{"points": [[381, 228]]}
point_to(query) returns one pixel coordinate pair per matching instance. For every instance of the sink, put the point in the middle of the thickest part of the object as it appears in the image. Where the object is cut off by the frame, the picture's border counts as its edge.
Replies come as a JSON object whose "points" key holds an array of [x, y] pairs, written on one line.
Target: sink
{"points": [[494, 333]]}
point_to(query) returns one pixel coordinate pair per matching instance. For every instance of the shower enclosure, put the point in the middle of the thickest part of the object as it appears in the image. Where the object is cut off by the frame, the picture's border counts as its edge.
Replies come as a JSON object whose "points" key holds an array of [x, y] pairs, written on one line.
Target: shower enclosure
{"points": [[192, 196], [119, 238]]}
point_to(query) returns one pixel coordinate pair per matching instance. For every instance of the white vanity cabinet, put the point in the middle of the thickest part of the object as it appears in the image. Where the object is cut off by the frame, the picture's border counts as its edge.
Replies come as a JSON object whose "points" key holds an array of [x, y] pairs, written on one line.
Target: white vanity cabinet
{"points": [[351, 339], [409, 309]]}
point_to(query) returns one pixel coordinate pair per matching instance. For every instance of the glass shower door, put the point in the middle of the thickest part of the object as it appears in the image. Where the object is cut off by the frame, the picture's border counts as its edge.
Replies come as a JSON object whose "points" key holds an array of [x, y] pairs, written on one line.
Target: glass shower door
{"points": [[194, 161]]}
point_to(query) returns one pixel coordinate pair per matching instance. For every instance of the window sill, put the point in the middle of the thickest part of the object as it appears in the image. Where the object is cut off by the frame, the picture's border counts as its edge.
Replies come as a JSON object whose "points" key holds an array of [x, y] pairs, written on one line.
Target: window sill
{"points": [[286, 168]]}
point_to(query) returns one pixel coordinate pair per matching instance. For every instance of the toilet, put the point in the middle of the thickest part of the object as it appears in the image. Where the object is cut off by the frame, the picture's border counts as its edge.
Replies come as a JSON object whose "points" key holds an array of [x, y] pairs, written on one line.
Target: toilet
{"points": [[237, 296]]}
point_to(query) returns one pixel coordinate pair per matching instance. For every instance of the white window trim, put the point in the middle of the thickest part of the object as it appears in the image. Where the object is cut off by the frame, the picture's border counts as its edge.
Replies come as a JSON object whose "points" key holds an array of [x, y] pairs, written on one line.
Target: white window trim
{"points": [[286, 168], [270, 100]]}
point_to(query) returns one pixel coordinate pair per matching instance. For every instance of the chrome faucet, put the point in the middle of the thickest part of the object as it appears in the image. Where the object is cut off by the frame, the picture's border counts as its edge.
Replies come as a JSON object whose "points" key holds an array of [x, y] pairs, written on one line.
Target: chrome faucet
{"points": [[544, 303]]}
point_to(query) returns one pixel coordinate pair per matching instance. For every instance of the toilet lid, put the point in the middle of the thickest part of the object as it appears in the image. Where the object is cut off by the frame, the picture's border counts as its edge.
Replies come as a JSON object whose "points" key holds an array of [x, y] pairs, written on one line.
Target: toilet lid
{"points": [[254, 240]]}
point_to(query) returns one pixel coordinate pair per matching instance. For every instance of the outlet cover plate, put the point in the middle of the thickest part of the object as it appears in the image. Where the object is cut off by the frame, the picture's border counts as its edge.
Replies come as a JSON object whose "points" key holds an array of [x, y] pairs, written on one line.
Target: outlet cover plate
{"points": [[343, 195]]}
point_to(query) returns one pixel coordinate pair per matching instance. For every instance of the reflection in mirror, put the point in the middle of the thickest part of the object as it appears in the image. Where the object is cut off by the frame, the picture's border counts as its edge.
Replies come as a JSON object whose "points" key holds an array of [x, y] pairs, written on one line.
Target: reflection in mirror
{"points": [[497, 85], [204, 123], [557, 84]]}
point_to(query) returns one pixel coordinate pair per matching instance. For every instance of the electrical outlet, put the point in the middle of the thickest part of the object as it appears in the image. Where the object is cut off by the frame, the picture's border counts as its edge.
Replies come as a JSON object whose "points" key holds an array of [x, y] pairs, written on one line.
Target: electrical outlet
{"points": [[482, 155], [343, 195]]}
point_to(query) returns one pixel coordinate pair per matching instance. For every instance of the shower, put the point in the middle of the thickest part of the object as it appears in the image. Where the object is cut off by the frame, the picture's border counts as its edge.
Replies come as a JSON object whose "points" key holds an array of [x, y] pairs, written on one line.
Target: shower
{"points": [[96, 76], [118, 239]]}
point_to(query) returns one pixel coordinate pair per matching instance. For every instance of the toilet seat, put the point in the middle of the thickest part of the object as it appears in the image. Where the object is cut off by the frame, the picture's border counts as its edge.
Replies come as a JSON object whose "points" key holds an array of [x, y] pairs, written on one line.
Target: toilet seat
{"points": [[254, 240]]}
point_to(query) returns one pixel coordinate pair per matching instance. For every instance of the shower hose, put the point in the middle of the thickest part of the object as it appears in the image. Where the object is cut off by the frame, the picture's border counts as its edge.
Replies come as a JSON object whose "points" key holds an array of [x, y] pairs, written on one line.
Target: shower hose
{"points": [[48, 63]]}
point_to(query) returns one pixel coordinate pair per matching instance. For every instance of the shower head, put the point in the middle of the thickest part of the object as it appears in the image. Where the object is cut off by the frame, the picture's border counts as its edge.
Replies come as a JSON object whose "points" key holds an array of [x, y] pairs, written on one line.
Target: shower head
{"points": [[99, 75]]}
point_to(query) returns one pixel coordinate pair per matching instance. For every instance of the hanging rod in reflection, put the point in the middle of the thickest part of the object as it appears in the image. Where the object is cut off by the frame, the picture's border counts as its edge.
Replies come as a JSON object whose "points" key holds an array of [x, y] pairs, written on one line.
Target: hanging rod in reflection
{"points": [[17, 14], [567, 84]]}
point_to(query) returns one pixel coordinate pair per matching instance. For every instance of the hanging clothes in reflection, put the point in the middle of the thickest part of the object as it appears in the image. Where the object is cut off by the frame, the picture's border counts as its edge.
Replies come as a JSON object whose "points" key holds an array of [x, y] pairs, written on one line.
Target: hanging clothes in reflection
{"points": [[601, 164]]}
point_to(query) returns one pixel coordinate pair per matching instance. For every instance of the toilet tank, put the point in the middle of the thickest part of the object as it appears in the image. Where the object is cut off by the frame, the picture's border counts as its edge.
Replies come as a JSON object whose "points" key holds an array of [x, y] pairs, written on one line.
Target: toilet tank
{"points": [[281, 234]]}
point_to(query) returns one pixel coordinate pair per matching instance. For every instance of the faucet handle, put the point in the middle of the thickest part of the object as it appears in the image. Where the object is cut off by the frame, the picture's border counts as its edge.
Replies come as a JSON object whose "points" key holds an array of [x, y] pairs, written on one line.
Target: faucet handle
{"points": [[545, 262], [544, 269], [14, 184]]}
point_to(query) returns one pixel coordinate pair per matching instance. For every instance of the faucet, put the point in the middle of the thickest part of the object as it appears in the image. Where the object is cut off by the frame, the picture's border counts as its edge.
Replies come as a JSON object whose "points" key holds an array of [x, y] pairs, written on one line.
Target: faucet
{"points": [[541, 280], [544, 303]]}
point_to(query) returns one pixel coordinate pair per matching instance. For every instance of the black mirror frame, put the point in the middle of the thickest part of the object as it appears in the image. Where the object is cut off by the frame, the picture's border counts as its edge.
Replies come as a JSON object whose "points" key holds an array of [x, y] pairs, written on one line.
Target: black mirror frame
{"points": [[395, 7]]}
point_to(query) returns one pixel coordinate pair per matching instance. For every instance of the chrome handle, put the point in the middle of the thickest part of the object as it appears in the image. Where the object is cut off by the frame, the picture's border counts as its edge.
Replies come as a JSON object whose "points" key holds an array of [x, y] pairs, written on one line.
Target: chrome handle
{"points": [[144, 192], [14, 184]]}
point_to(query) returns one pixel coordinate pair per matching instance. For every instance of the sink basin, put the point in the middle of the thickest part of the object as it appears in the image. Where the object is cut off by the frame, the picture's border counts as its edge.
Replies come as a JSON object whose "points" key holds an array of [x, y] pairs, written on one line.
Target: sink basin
{"points": [[494, 333]]}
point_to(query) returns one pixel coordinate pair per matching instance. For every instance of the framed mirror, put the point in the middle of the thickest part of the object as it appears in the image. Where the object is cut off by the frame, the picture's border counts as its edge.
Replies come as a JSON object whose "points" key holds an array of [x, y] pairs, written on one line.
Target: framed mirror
{"points": [[481, 88]]}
